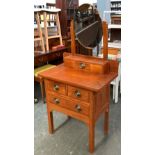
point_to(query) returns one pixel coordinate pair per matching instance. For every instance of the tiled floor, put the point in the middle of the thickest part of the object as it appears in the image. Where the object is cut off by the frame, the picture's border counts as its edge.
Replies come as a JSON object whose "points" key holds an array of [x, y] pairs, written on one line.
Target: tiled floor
{"points": [[72, 136]]}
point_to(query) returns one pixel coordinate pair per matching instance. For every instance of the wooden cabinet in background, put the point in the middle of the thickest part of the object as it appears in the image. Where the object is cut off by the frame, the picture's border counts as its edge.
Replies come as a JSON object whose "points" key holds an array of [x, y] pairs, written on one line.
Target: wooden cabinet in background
{"points": [[115, 30], [116, 19], [68, 8]]}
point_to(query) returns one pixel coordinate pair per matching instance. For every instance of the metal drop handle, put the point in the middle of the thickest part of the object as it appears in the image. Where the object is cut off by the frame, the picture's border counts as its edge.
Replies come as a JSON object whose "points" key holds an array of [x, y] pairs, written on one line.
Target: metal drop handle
{"points": [[77, 93], [56, 101], [78, 108], [56, 87], [82, 65]]}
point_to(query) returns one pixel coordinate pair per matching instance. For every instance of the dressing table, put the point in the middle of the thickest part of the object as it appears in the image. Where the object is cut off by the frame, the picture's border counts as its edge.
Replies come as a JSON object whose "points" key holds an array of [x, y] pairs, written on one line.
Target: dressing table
{"points": [[80, 87]]}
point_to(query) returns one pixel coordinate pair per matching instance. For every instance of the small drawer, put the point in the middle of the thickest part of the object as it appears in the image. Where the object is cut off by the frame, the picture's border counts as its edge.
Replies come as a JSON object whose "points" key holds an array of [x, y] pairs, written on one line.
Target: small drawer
{"points": [[75, 106], [57, 87], [78, 93]]}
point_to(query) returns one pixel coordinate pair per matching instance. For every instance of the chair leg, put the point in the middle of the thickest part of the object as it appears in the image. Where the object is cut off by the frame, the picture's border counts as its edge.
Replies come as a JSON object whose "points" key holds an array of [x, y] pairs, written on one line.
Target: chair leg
{"points": [[120, 86], [116, 90], [113, 92], [42, 89]]}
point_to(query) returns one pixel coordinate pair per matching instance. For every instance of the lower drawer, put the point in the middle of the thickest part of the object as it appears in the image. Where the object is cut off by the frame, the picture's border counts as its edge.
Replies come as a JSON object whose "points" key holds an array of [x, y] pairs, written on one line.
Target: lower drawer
{"points": [[79, 107]]}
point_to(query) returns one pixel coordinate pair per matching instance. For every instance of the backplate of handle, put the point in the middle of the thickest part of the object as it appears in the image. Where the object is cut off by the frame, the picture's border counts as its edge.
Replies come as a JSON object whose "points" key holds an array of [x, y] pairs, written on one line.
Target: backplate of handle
{"points": [[77, 93], [56, 87], [82, 65], [78, 108], [56, 101]]}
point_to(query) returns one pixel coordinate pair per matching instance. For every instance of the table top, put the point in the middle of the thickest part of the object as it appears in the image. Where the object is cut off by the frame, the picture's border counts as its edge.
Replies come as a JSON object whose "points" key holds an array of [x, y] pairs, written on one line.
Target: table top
{"points": [[41, 53], [114, 26], [90, 81]]}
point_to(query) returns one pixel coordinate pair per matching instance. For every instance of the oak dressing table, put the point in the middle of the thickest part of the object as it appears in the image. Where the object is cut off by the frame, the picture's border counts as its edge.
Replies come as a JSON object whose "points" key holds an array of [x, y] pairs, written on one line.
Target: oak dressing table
{"points": [[80, 87]]}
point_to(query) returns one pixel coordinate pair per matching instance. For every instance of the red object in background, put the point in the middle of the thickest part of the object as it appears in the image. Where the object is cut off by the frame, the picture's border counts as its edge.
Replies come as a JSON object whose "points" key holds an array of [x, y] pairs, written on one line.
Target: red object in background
{"points": [[58, 47]]}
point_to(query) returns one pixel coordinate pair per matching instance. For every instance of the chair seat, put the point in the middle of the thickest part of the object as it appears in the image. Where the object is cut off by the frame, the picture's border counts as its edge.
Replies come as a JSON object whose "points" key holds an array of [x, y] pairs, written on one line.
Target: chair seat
{"points": [[42, 68]]}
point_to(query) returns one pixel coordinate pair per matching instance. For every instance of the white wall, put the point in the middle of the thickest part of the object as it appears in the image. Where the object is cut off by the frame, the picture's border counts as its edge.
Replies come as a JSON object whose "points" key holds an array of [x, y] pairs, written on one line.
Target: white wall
{"points": [[104, 5], [43, 1], [53, 1], [87, 1]]}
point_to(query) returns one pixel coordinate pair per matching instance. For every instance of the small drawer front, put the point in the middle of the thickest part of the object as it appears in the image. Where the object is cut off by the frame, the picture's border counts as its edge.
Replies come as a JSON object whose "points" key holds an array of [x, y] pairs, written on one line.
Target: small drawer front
{"points": [[75, 106], [78, 93], [58, 87]]}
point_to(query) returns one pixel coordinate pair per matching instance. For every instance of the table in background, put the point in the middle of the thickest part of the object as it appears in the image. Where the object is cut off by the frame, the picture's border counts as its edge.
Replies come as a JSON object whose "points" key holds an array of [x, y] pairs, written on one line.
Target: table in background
{"points": [[55, 56]]}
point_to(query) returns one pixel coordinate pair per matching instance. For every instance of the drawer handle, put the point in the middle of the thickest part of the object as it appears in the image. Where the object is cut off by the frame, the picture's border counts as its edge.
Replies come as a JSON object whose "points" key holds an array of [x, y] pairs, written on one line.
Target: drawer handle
{"points": [[77, 93], [82, 65], [56, 87], [56, 101], [78, 108]]}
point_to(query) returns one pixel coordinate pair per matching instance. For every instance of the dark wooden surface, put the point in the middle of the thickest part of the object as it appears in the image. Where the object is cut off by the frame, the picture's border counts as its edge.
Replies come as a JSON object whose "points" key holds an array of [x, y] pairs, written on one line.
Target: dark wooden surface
{"points": [[115, 34], [66, 14], [55, 56]]}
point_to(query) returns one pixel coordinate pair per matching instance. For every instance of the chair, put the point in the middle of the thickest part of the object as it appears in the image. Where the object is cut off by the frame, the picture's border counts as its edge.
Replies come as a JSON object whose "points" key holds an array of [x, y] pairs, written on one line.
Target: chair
{"points": [[39, 79], [116, 83], [114, 54]]}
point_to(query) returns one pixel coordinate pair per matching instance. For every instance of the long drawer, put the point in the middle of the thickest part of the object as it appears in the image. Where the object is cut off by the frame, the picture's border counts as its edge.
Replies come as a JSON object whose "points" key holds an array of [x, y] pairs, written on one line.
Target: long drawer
{"points": [[76, 106]]}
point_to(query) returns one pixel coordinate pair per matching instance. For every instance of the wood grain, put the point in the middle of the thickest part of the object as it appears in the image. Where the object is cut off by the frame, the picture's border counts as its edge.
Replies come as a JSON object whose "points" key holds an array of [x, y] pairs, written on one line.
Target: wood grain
{"points": [[73, 46]]}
